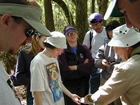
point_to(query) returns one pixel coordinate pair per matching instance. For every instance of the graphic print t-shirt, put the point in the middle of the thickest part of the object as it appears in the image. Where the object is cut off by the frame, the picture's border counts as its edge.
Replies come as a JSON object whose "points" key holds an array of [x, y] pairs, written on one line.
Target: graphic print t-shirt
{"points": [[52, 72], [46, 79]]}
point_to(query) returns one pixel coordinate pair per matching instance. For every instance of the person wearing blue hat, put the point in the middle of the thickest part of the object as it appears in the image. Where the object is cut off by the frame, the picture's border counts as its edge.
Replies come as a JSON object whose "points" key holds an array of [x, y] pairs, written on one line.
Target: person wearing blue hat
{"points": [[76, 64], [127, 8], [95, 38], [124, 81]]}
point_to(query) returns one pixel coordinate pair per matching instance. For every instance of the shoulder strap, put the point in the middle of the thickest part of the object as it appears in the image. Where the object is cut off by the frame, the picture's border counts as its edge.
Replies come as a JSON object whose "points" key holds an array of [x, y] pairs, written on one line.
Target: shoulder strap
{"points": [[91, 36]]}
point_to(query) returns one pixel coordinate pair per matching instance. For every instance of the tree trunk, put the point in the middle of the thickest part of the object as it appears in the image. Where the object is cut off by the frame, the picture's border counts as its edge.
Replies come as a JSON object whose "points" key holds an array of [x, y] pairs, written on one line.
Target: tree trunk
{"points": [[102, 7], [49, 15], [66, 11], [92, 6], [81, 18]]}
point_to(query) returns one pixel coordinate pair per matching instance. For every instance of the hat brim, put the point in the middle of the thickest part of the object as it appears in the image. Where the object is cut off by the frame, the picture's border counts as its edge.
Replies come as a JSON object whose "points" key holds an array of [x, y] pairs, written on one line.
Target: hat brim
{"points": [[31, 14], [126, 42], [72, 30], [63, 46], [112, 11], [38, 27]]}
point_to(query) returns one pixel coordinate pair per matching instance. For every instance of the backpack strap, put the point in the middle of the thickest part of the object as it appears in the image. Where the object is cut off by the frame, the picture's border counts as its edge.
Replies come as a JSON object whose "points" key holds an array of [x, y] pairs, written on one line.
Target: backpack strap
{"points": [[90, 39]]}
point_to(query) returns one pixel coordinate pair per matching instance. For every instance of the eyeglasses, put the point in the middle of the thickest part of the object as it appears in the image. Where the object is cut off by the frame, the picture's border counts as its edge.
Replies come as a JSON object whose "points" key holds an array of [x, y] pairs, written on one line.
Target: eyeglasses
{"points": [[72, 33], [30, 31]]}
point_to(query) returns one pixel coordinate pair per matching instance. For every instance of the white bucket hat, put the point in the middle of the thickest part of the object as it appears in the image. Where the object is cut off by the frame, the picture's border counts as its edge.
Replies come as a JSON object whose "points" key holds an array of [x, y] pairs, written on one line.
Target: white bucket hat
{"points": [[57, 40], [124, 37]]}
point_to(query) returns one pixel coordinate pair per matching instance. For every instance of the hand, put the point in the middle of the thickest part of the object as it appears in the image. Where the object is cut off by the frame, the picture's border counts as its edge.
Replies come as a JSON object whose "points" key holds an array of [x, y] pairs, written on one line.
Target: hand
{"points": [[74, 67], [105, 62], [87, 99], [76, 99], [86, 61]]}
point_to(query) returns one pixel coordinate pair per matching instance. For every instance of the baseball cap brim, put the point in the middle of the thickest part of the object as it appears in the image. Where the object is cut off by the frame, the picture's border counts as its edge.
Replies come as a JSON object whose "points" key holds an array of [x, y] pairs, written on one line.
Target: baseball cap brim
{"points": [[112, 11], [31, 14], [38, 27]]}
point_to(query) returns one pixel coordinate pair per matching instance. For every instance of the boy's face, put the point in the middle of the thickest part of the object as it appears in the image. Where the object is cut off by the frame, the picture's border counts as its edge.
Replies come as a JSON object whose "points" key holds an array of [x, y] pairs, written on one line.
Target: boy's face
{"points": [[97, 27], [57, 52]]}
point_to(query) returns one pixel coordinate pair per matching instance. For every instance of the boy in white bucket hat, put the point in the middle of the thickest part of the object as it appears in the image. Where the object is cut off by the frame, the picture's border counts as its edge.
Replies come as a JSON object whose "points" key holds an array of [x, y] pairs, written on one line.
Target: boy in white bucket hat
{"points": [[124, 80], [46, 83]]}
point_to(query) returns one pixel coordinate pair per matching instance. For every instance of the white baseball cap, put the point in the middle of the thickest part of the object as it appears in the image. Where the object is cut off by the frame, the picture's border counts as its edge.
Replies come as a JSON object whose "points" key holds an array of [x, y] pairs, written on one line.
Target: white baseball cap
{"points": [[112, 10], [124, 37], [95, 16]]}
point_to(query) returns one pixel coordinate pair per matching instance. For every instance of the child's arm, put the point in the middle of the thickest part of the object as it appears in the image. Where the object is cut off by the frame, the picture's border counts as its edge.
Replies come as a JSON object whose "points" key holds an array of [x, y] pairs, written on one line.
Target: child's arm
{"points": [[38, 98], [74, 97]]}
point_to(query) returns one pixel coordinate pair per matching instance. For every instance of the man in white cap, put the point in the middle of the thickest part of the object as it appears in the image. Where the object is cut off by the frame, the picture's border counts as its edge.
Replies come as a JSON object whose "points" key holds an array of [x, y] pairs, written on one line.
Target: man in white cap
{"points": [[19, 19], [128, 8], [94, 38], [124, 80]]}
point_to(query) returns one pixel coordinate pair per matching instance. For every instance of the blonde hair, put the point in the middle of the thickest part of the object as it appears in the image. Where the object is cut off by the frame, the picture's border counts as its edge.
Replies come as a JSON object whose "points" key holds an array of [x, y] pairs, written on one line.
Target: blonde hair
{"points": [[35, 48]]}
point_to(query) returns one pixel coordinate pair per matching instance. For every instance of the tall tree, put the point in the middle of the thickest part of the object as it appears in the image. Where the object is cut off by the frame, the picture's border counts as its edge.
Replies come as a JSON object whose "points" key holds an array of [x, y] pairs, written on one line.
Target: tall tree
{"points": [[81, 18], [102, 5], [92, 6], [68, 14], [49, 15]]}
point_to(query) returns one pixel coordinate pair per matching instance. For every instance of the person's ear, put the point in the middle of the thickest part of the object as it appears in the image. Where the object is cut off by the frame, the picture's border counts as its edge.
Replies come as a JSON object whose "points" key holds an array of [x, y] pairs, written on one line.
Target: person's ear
{"points": [[37, 38], [5, 19]]}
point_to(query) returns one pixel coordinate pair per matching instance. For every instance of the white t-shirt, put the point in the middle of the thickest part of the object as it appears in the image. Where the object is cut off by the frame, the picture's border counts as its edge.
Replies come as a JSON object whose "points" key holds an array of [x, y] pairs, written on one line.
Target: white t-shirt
{"points": [[98, 39], [7, 95], [45, 78]]}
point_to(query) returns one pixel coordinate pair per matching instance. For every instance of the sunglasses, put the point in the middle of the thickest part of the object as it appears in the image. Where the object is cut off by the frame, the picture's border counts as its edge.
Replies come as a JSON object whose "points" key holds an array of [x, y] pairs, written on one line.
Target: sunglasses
{"points": [[30, 32], [72, 33]]}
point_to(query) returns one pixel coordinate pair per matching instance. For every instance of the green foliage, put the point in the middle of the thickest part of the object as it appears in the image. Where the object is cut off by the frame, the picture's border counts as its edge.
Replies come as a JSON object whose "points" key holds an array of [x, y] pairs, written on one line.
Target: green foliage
{"points": [[41, 2], [9, 61], [60, 20]]}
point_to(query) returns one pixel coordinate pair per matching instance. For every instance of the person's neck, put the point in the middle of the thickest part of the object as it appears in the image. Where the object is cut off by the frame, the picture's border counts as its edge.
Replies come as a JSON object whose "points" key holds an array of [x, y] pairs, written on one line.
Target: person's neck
{"points": [[73, 44], [48, 52], [100, 30]]}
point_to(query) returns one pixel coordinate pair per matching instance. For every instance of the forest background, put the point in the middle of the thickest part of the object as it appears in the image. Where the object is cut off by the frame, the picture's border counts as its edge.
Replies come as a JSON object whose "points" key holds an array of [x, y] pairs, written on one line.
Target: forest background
{"points": [[59, 13]]}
